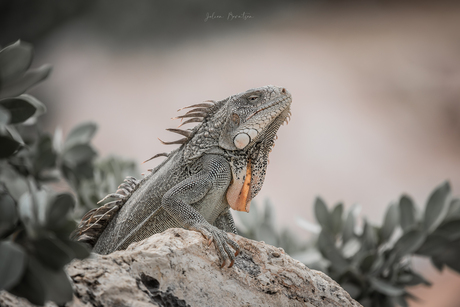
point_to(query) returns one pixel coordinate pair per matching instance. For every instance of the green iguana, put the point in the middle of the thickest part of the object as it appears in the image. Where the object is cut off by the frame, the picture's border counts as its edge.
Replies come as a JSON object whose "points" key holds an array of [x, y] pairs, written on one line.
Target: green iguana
{"points": [[220, 164]]}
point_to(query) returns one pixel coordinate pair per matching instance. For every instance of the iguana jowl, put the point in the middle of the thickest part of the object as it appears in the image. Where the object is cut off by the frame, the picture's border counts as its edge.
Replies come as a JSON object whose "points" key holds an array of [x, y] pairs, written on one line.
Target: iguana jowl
{"points": [[220, 164]]}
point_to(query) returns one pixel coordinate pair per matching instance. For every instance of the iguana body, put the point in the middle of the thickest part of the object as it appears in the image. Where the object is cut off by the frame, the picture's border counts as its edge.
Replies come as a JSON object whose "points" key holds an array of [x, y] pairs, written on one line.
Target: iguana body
{"points": [[220, 164]]}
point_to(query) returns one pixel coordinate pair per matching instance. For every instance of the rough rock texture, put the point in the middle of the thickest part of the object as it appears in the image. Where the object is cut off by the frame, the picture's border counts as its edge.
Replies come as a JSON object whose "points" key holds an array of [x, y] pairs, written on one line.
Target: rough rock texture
{"points": [[178, 268]]}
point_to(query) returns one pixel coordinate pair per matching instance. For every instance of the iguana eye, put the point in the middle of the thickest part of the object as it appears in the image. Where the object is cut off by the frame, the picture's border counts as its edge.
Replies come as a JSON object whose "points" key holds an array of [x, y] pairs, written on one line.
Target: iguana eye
{"points": [[253, 97]]}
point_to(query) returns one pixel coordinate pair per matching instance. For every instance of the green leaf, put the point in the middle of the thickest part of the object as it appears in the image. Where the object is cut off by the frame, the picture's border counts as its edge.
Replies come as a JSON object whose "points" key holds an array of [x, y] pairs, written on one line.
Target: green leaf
{"points": [[12, 264], [28, 80], [4, 116], [400, 301], [59, 209], [336, 218], [14, 61], [79, 249], [39, 106], [438, 264], [449, 230], [349, 227], [449, 255], [8, 214], [367, 262], [454, 210], [369, 236], [407, 213], [409, 243], [322, 215], [326, 246], [20, 109], [389, 223], [45, 157], [385, 287], [8, 146], [42, 284], [52, 253], [79, 154], [436, 207], [31, 286], [82, 134], [433, 245]]}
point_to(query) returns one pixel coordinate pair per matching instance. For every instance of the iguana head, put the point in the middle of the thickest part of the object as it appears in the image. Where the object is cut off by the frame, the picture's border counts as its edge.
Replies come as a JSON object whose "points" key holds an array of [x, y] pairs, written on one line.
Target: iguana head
{"points": [[244, 127], [253, 118]]}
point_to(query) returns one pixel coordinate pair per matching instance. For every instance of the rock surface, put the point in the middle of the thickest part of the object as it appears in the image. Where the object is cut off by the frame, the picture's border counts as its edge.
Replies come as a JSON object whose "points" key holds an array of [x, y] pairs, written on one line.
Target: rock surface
{"points": [[178, 268]]}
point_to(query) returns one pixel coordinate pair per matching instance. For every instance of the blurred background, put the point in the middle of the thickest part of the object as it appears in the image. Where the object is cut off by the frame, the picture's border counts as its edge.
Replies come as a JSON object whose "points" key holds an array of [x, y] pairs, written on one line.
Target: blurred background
{"points": [[375, 85]]}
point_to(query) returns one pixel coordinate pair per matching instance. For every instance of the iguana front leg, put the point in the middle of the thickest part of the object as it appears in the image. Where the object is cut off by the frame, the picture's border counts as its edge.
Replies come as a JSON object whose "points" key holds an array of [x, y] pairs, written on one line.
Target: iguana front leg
{"points": [[215, 174], [225, 222]]}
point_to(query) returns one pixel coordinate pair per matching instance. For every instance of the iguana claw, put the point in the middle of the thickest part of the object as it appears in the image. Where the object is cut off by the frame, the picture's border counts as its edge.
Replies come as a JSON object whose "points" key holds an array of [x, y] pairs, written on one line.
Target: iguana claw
{"points": [[221, 241]]}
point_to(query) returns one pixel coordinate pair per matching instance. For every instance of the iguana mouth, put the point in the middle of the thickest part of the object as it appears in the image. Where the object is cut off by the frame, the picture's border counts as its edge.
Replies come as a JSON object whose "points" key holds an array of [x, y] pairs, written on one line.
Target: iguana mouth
{"points": [[286, 99]]}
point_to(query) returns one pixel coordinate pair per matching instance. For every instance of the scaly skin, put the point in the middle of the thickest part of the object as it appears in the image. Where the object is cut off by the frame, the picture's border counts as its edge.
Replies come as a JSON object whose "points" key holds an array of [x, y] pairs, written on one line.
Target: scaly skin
{"points": [[221, 164]]}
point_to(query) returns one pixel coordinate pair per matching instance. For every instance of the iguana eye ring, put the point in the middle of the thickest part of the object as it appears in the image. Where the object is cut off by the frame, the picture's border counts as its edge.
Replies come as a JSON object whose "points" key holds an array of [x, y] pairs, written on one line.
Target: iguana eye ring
{"points": [[253, 97]]}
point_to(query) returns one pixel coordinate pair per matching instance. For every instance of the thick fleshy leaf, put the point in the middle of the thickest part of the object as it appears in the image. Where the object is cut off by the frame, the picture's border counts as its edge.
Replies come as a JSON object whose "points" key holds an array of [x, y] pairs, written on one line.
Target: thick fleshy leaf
{"points": [[412, 279], [79, 249], [20, 109], [12, 264], [57, 286], [59, 209], [336, 218], [39, 106], [8, 214], [31, 286], [52, 253], [322, 215], [369, 236], [409, 243], [349, 227], [433, 245], [45, 157], [454, 210], [385, 287], [14, 61], [4, 116], [8, 146], [400, 301], [79, 154], [327, 247], [82, 134], [407, 213], [436, 207], [389, 223], [449, 256], [449, 230], [25, 82], [367, 262]]}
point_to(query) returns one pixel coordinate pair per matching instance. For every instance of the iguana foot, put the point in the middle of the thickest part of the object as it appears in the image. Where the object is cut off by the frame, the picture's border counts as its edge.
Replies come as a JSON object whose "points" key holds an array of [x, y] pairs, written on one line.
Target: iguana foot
{"points": [[221, 241]]}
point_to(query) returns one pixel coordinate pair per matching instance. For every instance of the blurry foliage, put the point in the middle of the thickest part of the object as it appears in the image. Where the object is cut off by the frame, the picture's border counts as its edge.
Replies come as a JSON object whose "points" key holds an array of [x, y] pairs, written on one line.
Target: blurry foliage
{"points": [[373, 263], [35, 222]]}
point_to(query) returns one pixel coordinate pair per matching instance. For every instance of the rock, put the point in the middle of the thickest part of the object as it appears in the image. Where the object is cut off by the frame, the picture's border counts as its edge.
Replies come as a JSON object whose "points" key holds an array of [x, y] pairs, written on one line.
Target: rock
{"points": [[178, 268]]}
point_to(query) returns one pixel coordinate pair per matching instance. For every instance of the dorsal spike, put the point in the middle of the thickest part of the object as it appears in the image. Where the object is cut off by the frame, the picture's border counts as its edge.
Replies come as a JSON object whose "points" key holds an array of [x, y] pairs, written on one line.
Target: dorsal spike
{"points": [[163, 154], [203, 110], [181, 141], [194, 114], [185, 133], [198, 105], [191, 120]]}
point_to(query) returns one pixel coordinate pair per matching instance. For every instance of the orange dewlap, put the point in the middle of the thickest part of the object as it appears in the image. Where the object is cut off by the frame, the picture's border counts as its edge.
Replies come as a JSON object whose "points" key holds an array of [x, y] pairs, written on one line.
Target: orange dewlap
{"points": [[238, 192]]}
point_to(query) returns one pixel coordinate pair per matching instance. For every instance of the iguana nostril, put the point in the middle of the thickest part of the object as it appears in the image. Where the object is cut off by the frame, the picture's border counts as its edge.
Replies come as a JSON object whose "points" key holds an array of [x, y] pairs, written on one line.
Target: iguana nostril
{"points": [[283, 91]]}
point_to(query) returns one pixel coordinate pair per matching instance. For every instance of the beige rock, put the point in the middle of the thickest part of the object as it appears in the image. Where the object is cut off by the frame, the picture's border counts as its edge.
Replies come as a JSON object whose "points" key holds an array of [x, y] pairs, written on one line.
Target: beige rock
{"points": [[178, 268]]}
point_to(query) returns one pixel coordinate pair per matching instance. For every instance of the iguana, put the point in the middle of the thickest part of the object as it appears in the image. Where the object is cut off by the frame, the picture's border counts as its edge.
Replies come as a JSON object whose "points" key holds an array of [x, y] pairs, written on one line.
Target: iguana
{"points": [[220, 164]]}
